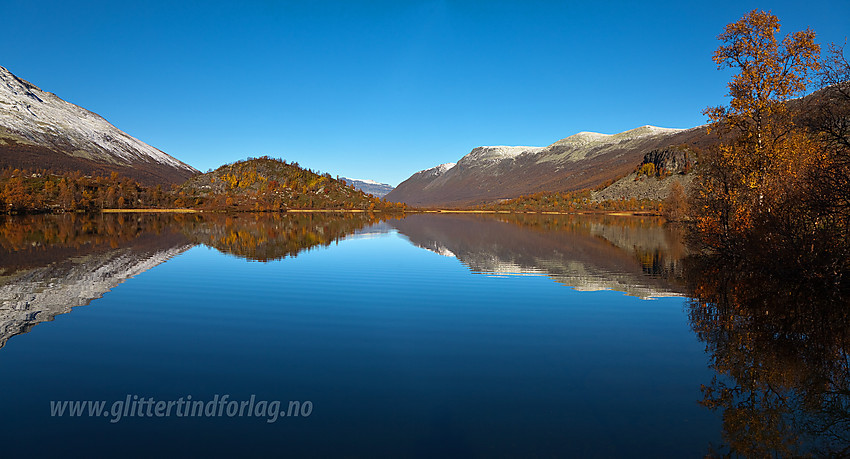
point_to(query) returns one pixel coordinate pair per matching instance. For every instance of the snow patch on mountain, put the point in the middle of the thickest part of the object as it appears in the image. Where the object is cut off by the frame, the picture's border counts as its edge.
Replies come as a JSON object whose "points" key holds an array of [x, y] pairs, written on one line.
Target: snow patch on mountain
{"points": [[574, 147], [588, 144], [436, 171], [585, 139], [497, 153], [581, 139]]}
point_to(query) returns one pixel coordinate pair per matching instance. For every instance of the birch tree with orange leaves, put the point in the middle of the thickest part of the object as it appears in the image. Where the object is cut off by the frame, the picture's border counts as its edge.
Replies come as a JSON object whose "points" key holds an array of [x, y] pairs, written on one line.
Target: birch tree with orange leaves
{"points": [[762, 154]]}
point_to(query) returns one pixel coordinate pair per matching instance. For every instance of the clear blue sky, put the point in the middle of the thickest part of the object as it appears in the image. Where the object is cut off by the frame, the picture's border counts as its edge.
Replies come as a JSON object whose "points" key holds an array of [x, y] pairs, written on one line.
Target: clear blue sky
{"points": [[381, 89]]}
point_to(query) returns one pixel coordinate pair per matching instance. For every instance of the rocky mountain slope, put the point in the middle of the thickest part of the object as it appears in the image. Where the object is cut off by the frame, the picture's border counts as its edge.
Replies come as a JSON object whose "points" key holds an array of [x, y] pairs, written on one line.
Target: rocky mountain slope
{"points": [[369, 186], [40, 130], [654, 177], [584, 160]]}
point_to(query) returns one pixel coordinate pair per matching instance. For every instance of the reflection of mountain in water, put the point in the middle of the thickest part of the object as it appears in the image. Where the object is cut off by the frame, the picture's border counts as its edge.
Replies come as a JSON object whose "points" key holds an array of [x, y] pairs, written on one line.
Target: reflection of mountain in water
{"points": [[37, 295], [639, 257], [372, 232], [51, 264]]}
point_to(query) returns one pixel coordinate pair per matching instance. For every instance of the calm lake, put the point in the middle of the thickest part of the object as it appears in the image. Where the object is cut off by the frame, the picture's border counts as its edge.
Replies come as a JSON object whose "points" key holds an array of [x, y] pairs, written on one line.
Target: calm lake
{"points": [[426, 336]]}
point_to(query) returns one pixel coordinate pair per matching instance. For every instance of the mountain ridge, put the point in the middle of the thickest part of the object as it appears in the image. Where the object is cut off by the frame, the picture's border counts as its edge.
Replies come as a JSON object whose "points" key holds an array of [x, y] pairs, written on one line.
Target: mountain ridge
{"points": [[40, 129], [580, 161]]}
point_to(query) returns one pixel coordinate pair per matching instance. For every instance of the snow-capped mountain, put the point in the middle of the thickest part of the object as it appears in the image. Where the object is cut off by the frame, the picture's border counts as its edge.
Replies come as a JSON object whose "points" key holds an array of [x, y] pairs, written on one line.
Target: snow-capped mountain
{"points": [[429, 176], [435, 171], [369, 186], [583, 160], [38, 129]]}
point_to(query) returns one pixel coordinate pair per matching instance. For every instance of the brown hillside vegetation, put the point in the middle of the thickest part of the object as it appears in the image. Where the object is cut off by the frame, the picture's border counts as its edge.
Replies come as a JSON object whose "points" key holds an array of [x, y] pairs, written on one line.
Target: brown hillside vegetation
{"points": [[17, 154], [261, 184]]}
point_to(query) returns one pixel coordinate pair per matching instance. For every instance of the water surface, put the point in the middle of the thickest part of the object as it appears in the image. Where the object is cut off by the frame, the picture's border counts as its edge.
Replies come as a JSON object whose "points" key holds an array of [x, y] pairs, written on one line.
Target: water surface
{"points": [[433, 335]]}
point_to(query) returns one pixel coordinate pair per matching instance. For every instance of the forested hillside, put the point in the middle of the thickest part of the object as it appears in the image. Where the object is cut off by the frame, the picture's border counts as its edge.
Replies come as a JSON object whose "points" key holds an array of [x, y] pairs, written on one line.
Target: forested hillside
{"points": [[274, 184]]}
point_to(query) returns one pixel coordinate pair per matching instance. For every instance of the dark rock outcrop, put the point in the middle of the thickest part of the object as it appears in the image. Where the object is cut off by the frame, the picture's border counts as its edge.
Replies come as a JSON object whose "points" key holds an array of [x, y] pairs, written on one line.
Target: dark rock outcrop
{"points": [[673, 159]]}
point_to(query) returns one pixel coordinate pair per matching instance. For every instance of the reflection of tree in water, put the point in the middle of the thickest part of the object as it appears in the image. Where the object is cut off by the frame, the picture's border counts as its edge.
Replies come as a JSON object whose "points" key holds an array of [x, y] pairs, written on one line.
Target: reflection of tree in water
{"points": [[30, 241], [272, 236], [77, 230], [37, 240], [779, 340]]}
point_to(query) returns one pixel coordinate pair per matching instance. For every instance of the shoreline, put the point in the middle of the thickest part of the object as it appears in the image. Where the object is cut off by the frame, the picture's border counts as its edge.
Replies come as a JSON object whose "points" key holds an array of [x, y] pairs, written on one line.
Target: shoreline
{"points": [[137, 211], [413, 211], [617, 213]]}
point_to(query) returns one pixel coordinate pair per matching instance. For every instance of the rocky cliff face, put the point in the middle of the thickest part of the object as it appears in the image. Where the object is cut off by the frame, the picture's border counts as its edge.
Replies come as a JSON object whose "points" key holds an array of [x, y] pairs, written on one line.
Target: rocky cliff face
{"points": [[38, 129], [671, 159], [584, 160]]}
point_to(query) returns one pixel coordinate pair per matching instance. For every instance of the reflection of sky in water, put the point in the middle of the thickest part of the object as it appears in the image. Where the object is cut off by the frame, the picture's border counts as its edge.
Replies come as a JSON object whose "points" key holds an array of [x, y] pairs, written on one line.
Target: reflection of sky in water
{"points": [[401, 351]]}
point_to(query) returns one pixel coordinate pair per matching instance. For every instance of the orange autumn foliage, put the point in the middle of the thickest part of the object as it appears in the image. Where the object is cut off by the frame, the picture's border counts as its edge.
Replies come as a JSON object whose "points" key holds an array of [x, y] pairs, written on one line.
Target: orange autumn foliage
{"points": [[763, 158]]}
